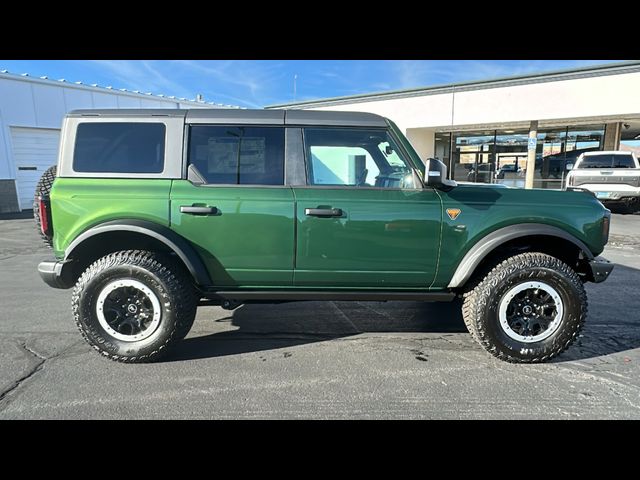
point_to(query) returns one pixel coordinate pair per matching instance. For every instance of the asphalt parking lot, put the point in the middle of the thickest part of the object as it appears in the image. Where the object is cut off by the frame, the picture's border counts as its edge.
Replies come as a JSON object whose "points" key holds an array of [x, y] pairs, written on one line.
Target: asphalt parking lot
{"points": [[316, 359]]}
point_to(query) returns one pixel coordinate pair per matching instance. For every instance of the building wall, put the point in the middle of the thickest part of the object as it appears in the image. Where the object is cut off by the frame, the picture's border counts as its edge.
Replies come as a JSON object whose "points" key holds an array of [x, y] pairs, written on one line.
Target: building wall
{"points": [[586, 98], [423, 140], [35, 103], [598, 97]]}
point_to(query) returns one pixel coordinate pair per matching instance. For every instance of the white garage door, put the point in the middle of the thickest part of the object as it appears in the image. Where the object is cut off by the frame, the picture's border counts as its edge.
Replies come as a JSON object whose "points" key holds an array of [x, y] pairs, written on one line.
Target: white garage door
{"points": [[34, 150]]}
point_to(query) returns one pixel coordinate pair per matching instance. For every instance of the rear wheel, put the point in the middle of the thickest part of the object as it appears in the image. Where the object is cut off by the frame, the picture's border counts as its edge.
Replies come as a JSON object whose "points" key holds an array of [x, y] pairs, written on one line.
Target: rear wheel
{"points": [[43, 188], [528, 309], [132, 306]]}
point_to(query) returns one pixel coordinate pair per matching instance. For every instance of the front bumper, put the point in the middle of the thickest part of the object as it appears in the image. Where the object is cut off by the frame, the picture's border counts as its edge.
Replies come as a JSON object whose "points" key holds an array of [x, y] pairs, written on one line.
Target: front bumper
{"points": [[600, 269], [56, 274]]}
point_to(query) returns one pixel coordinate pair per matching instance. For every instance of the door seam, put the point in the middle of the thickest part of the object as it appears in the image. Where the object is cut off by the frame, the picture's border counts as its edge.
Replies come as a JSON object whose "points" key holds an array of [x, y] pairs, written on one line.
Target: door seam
{"points": [[435, 277], [295, 235]]}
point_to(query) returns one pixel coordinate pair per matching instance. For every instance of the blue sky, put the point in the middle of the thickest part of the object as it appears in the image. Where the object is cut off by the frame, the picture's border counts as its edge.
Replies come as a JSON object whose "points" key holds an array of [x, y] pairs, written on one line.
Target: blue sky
{"points": [[257, 83]]}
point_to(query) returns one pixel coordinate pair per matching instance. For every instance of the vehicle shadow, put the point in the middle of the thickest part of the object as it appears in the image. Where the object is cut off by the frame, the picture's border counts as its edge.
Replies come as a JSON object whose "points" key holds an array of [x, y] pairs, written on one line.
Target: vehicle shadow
{"points": [[266, 327], [613, 321], [612, 326]]}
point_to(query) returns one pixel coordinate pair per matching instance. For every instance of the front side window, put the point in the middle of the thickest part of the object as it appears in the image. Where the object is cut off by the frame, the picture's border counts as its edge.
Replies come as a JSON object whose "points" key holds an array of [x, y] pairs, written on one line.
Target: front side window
{"points": [[234, 155], [357, 158], [128, 147]]}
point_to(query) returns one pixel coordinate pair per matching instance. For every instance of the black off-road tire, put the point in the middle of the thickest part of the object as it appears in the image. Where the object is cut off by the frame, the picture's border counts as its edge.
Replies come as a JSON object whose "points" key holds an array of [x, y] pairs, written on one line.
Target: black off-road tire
{"points": [[168, 280], [43, 187], [481, 304]]}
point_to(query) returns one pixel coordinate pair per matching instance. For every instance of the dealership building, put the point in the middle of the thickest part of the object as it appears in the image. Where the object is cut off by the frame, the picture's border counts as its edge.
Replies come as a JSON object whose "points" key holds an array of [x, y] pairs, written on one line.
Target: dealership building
{"points": [[31, 113], [481, 129]]}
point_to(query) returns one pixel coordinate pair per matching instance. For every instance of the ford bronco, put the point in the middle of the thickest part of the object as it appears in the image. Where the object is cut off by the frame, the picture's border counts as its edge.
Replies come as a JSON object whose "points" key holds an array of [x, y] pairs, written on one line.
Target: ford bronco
{"points": [[152, 212]]}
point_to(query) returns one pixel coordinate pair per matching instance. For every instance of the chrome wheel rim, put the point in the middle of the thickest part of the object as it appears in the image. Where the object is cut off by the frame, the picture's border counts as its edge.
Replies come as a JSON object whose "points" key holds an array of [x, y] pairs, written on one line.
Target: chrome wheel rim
{"points": [[531, 312], [128, 310]]}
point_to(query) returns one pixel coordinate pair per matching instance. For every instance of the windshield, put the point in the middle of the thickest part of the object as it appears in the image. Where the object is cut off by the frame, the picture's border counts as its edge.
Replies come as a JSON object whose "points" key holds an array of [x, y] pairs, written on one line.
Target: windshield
{"points": [[607, 161]]}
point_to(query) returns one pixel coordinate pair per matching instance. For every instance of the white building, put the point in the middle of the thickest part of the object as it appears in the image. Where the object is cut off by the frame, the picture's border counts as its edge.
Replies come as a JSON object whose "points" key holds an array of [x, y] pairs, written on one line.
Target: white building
{"points": [[480, 129], [31, 112]]}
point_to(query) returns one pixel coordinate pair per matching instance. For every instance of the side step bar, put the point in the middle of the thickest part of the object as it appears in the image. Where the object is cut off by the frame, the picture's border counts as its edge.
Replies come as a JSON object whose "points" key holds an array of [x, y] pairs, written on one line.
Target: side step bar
{"points": [[297, 295]]}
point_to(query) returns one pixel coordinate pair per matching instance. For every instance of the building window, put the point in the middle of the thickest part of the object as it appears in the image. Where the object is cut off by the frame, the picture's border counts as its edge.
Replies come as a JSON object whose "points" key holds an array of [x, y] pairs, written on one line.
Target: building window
{"points": [[500, 156], [560, 147], [630, 137], [442, 150], [511, 157], [234, 155], [473, 157]]}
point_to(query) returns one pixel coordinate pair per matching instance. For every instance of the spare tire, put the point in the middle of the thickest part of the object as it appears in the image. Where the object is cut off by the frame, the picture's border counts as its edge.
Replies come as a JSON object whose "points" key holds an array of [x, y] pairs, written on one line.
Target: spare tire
{"points": [[43, 188]]}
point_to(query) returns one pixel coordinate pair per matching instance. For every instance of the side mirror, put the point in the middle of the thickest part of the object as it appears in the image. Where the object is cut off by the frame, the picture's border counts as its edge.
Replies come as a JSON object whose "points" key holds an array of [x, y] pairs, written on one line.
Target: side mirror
{"points": [[569, 166], [436, 175]]}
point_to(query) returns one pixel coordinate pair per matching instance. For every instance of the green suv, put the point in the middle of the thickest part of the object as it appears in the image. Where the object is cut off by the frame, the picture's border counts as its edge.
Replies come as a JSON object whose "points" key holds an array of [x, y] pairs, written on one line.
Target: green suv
{"points": [[153, 212]]}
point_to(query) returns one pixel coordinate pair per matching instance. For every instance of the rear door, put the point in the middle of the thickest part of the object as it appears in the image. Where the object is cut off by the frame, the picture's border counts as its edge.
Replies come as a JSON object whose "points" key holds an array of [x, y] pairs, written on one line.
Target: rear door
{"points": [[241, 219], [364, 219]]}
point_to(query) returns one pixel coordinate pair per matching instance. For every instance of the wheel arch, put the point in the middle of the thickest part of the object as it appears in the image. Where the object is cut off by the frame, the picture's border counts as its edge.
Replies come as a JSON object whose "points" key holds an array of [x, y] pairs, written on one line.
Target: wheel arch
{"points": [[548, 238], [127, 234]]}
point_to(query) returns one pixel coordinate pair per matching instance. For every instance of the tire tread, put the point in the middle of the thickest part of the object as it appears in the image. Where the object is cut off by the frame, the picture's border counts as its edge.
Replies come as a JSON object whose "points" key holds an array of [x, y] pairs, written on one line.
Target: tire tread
{"points": [[177, 282], [476, 296], [43, 187]]}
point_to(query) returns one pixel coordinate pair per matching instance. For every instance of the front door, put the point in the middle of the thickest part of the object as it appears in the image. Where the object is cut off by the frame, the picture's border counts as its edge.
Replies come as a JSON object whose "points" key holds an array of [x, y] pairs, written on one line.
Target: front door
{"points": [[239, 216], [363, 220]]}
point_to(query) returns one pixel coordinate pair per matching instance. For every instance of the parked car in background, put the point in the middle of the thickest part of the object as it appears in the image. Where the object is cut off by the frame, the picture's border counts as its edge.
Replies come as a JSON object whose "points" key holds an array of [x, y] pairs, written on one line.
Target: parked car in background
{"points": [[481, 173], [511, 168], [554, 166], [614, 177]]}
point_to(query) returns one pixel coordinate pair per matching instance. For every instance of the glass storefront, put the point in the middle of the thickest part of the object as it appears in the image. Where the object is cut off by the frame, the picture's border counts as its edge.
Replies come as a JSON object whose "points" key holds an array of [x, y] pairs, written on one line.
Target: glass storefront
{"points": [[630, 137], [558, 148], [472, 156], [500, 156]]}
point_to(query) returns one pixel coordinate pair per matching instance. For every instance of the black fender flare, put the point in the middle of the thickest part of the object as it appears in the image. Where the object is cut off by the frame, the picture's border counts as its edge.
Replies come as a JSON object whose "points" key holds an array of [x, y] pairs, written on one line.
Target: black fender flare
{"points": [[178, 244], [496, 238]]}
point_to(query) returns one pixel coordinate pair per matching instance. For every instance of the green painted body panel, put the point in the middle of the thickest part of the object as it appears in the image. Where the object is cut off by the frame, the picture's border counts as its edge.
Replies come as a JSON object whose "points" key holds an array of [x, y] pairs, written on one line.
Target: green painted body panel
{"points": [[385, 237], [250, 242], [485, 209], [78, 204]]}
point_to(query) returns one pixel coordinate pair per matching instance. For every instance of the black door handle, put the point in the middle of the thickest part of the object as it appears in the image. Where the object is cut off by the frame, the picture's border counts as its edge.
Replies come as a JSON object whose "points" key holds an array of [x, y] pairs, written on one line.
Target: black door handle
{"points": [[193, 210], [323, 212]]}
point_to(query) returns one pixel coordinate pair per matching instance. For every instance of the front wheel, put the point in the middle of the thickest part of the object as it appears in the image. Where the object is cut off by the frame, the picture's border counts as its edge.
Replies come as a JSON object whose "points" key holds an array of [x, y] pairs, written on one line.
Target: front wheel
{"points": [[528, 309], [133, 305]]}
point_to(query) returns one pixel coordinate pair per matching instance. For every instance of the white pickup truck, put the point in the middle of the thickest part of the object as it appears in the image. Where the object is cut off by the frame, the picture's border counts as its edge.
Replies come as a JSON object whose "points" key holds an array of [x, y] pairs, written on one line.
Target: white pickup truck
{"points": [[614, 177]]}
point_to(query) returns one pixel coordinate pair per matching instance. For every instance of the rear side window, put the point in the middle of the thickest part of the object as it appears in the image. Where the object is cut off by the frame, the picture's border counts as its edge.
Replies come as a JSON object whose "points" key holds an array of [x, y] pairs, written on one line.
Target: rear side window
{"points": [[232, 155], [119, 148], [607, 161]]}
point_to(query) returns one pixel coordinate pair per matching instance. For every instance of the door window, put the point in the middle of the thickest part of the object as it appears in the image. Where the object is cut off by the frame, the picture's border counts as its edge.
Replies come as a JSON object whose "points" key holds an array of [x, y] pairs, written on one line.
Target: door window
{"points": [[356, 158], [233, 155]]}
